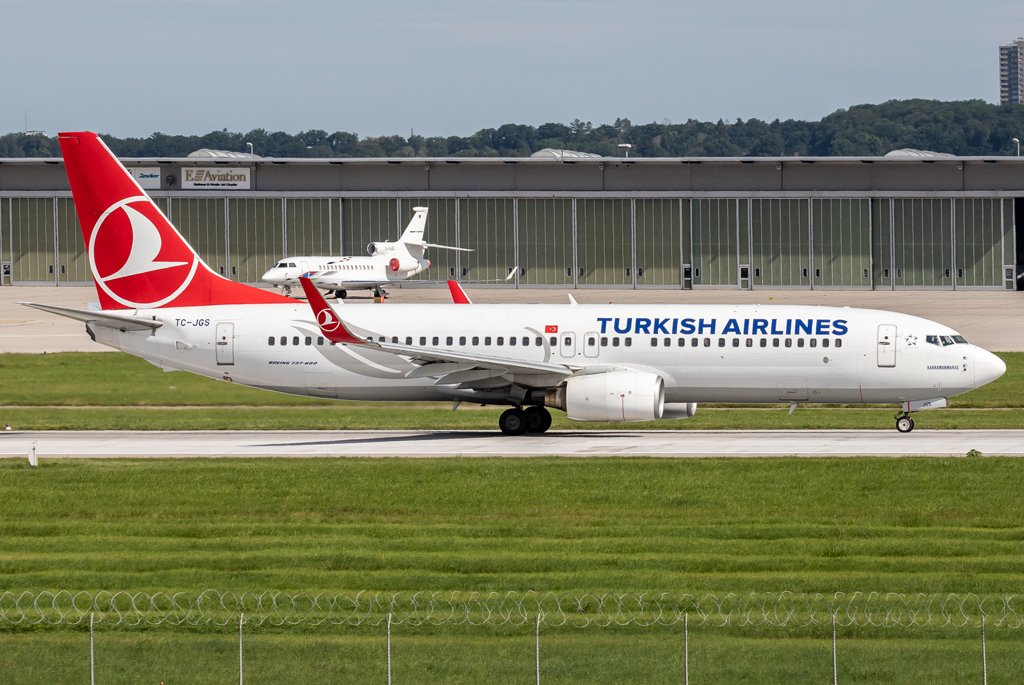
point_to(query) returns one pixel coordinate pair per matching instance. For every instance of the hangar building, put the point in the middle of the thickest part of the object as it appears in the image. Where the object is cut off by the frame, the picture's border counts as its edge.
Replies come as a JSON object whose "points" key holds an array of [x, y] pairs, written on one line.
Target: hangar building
{"points": [[911, 220]]}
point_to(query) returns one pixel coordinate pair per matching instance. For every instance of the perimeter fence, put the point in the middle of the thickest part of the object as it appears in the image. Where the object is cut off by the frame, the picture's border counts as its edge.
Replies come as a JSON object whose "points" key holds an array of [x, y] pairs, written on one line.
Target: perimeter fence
{"points": [[215, 608]]}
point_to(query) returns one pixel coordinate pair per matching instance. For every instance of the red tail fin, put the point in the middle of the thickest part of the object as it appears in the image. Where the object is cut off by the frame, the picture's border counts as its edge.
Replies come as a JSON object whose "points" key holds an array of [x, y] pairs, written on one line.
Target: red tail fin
{"points": [[138, 259]]}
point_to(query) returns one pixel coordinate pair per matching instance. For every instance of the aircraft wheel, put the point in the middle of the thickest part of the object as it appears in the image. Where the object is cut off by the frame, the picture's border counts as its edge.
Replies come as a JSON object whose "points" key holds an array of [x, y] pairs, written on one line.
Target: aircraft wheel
{"points": [[904, 424], [538, 419], [341, 294], [512, 421]]}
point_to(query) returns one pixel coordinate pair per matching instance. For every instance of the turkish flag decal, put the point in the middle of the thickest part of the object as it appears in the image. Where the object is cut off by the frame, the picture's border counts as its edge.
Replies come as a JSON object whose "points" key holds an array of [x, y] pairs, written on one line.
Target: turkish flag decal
{"points": [[550, 329]]}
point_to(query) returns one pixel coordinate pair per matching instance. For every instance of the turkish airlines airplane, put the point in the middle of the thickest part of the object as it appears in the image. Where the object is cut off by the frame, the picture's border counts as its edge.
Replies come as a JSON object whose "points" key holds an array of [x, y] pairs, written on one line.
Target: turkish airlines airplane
{"points": [[158, 300], [388, 262]]}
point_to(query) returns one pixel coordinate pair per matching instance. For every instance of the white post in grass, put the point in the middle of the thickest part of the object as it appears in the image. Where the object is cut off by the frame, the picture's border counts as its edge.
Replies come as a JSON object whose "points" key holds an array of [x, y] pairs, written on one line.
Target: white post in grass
{"points": [[835, 663], [686, 648], [984, 655], [33, 458], [92, 652], [241, 669], [389, 648], [537, 646]]}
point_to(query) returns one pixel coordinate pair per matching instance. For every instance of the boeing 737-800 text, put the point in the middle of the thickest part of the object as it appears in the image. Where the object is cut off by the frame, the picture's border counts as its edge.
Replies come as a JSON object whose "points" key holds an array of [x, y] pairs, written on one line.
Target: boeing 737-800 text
{"points": [[158, 300]]}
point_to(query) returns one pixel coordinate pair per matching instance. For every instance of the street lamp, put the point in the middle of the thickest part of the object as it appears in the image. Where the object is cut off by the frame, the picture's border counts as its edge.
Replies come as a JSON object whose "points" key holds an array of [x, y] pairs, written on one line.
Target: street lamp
{"points": [[1017, 140], [627, 147]]}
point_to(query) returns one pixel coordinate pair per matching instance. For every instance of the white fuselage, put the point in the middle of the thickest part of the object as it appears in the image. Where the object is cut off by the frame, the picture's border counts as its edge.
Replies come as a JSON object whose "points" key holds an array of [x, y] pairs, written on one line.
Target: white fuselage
{"points": [[717, 353], [344, 273]]}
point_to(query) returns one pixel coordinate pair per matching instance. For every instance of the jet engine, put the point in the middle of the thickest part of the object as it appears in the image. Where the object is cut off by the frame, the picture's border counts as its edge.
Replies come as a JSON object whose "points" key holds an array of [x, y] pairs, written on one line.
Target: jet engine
{"points": [[404, 264], [679, 410], [378, 248], [610, 396]]}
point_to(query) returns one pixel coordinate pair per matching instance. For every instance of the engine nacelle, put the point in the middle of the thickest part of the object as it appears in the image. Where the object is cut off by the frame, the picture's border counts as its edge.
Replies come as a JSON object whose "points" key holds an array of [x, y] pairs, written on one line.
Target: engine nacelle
{"points": [[611, 396], [404, 264], [378, 248], [679, 410]]}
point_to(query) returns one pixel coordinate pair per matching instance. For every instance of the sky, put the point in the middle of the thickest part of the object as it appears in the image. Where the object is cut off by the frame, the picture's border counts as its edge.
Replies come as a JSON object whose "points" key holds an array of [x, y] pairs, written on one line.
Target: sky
{"points": [[452, 67]]}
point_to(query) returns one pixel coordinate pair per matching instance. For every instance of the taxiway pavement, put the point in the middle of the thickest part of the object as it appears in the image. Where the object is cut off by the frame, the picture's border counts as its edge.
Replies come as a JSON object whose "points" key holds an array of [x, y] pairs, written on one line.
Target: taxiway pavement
{"points": [[625, 443]]}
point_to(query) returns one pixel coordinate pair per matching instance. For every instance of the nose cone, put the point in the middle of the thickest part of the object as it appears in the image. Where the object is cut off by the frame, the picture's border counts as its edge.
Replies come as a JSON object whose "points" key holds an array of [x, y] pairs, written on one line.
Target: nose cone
{"points": [[987, 367], [272, 276]]}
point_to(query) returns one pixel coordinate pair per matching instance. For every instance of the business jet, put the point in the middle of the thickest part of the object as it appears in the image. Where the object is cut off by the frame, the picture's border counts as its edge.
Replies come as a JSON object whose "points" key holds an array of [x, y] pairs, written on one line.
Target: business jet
{"points": [[388, 262], [158, 300]]}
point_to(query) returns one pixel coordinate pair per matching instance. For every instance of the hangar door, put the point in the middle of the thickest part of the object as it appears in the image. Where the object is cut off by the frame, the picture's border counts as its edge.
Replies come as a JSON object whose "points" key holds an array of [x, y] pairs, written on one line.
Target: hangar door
{"points": [[841, 243], [779, 237], [716, 240]]}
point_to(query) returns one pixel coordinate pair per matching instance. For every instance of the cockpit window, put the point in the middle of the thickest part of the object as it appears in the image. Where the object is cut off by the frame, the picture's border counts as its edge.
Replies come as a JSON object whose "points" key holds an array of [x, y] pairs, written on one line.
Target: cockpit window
{"points": [[945, 340], [960, 340]]}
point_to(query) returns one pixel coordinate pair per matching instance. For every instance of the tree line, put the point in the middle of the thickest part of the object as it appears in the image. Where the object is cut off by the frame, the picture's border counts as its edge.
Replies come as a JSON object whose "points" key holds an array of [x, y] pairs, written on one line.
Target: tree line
{"points": [[969, 127]]}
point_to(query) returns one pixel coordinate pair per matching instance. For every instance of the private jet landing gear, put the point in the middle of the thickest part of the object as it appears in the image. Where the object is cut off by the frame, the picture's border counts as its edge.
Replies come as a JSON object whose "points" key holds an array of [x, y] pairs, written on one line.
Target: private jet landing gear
{"points": [[904, 424], [341, 294], [516, 421], [379, 293]]}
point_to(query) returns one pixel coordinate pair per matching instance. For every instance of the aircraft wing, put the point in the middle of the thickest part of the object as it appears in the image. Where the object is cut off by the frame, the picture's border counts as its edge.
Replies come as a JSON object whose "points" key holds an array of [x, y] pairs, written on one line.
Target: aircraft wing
{"points": [[448, 366], [124, 323]]}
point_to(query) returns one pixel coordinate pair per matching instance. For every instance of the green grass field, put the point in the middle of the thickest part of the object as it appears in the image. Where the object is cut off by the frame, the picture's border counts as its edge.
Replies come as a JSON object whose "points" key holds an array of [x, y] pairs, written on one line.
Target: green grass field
{"points": [[92, 391], [561, 525]]}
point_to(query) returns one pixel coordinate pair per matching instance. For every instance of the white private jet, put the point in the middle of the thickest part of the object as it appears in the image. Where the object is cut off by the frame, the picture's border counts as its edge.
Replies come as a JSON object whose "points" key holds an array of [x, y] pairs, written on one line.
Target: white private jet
{"points": [[388, 262], [161, 302]]}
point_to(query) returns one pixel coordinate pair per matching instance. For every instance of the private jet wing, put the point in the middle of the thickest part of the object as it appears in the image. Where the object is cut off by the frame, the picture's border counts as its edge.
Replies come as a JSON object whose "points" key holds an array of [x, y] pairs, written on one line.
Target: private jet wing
{"points": [[447, 366]]}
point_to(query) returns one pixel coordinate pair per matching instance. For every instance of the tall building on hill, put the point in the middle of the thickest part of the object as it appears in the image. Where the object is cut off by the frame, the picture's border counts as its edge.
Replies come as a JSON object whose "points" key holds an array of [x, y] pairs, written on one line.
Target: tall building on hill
{"points": [[1011, 73]]}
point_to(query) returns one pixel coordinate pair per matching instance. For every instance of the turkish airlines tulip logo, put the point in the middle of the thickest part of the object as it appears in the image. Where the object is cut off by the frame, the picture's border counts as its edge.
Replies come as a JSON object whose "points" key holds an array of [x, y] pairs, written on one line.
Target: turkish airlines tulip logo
{"points": [[133, 261], [327, 320]]}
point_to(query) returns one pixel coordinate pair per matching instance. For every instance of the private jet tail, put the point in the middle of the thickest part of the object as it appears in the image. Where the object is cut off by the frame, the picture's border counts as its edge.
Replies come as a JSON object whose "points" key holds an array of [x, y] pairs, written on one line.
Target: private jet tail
{"points": [[412, 237], [138, 258]]}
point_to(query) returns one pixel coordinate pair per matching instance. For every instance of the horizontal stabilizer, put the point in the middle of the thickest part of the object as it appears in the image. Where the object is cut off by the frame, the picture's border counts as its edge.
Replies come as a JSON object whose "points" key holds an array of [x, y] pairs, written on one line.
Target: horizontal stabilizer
{"points": [[439, 247], [125, 323]]}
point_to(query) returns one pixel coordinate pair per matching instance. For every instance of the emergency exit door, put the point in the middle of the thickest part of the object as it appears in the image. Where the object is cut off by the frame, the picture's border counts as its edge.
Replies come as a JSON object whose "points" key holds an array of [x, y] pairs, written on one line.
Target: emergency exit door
{"points": [[225, 344], [887, 345]]}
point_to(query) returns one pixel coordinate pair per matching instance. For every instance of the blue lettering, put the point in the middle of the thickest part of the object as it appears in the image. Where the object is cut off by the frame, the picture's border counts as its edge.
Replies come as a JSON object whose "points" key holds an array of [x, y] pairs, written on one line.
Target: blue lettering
{"points": [[731, 326], [775, 328], [660, 327], [643, 326], [822, 327], [623, 328], [839, 327], [705, 326], [760, 327], [687, 327], [804, 326], [603, 320]]}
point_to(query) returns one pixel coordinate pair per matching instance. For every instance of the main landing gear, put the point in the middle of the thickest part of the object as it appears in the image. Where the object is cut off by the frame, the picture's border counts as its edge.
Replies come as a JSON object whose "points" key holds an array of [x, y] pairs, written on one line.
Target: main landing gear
{"points": [[904, 424], [517, 421]]}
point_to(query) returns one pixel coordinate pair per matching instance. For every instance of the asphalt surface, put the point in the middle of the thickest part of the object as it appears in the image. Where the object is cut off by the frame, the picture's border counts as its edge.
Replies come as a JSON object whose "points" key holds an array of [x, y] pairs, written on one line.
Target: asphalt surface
{"points": [[438, 444], [992, 319]]}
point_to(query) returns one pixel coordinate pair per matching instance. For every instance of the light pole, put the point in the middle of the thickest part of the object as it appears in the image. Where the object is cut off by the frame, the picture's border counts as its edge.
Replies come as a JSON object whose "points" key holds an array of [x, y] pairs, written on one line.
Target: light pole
{"points": [[1017, 140], [627, 147]]}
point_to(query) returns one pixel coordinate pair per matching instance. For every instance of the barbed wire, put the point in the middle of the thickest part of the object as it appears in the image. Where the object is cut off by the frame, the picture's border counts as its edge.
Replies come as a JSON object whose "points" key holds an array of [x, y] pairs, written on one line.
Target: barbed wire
{"points": [[282, 609]]}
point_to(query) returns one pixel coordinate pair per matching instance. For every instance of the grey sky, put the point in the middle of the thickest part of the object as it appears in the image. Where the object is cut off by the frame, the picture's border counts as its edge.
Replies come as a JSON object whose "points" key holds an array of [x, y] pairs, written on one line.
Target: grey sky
{"points": [[452, 67]]}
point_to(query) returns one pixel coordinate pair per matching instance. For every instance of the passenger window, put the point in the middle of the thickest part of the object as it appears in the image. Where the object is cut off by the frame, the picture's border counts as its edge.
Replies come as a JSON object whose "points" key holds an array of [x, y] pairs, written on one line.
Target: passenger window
{"points": [[487, 340], [693, 342], [750, 342], [735, 342], [839, 342], [526, 341], [423, 340], [553, 341], [799, 342], [707, 342], [284, 340], [789, 342], [270, 341], [604, 342], [538, 341], [436, 341], [721, 342], [814, 342], [309, 341], [591, 341], [681, 342], [320, 340], [449, 340], [295, 340], [628, 342], [462, 340], [764, 342], [824, 342], [775, 342], [615, 342], [476, 340], [654, 342], [500, 341], [512, 340], [408, 340]]}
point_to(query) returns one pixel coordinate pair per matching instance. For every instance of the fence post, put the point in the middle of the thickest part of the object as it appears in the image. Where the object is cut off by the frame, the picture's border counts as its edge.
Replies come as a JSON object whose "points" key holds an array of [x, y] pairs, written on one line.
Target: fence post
{"points": [[686, 648], [537, 645], [241, 670], [92, 652], [984, 655], [389, 648], [835, 662]]}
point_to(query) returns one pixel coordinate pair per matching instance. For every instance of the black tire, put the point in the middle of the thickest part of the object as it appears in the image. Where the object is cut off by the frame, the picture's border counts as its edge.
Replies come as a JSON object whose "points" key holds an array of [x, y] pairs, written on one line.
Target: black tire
{"points": [[341, 294], [512, 421], [904, 424], [538, 419]]}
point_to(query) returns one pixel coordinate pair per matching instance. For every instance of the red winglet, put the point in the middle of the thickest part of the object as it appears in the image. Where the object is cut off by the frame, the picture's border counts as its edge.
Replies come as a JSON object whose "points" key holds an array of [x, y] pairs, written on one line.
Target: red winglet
{"points": [[330, 325], [459, 295]]}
